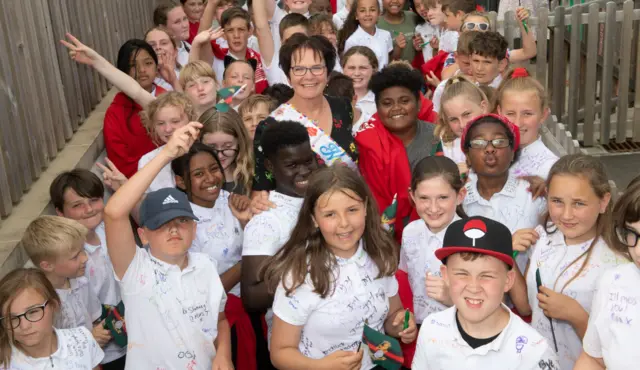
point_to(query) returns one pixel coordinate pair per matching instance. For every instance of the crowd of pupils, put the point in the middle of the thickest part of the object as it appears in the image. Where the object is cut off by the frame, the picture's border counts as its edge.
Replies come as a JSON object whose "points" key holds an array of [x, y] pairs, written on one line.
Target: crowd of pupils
{"points": [[378, 157]]}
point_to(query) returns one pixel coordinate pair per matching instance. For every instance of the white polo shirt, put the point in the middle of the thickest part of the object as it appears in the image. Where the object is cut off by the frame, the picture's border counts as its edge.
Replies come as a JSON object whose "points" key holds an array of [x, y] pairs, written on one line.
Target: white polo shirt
{"points": [[76, 350], [172, 314], [535, 160], [267, 232], [99, 270], [367, 104], [518, 347], [336, 322], [80, 305], [183, 53], [381, 43], [512, 206], [165, 178], [219, 235], [453, 151], [615, 319], [427, 32], [448, 40], [417, 258], [551, 255], [437, 95], [275, 74]]}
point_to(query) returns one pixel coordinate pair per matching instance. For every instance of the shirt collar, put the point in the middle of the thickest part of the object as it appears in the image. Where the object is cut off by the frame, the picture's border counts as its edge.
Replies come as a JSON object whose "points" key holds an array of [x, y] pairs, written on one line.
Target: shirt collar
{"points": [[167, 267], [368, 97], [495, 345], [532, 148], [509, 189], [440, 234], [556, 239], [360, 29], [285, 200], [359, 258]]}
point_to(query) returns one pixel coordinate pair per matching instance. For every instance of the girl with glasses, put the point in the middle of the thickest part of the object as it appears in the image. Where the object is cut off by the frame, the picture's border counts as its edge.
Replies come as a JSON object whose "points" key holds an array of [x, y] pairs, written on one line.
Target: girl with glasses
{"points": [[615, 317], [28, 339]]}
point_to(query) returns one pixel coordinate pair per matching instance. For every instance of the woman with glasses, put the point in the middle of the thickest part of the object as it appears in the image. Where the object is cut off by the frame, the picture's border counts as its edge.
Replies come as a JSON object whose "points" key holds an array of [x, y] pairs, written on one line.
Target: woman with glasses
{"points": [[307, 62], [614, 323], [225, 133], [28, 339]]}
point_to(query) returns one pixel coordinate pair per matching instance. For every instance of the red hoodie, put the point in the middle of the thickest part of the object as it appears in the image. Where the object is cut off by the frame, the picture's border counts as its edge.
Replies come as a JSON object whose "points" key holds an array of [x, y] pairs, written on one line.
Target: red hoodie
{"points": [[125, 138]]}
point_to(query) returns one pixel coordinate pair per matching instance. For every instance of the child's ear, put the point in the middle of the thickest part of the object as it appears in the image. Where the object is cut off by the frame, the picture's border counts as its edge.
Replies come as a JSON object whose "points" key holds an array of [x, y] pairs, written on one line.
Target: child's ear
{"points": [[461, 194], [143, 236], [268, 165], [46, 266], [59, 212], [444, 273], [604, 202], [503, 64], [180, 183], [484, 105], [545, 115], [511, 279], [315, 224]]}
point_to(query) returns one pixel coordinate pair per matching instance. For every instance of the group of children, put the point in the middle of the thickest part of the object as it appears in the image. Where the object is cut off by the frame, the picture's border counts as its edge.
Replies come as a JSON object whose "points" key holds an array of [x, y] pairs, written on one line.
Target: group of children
{"points": [[512, 258]]}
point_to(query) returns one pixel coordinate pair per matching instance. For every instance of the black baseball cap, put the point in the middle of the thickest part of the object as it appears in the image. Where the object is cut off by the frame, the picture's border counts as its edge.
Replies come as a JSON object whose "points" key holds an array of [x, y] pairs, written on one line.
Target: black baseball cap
{"points": [[480, 235], [162, 206]]}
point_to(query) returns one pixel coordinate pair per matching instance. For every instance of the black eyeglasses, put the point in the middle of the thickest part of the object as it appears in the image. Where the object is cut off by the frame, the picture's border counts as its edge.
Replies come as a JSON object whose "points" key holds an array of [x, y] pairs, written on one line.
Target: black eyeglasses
{"points": [[627, 236], [481, 26], [34, 314], [496, 143], [316, 70], [226, 152]]}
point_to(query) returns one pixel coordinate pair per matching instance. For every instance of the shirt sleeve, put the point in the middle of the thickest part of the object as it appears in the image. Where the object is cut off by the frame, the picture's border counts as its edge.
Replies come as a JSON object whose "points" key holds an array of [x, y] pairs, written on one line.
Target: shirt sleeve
{"points": [[93, 305], [95, 352], [297, 308], [592, 343], [137, 276], [262, 179], [389, 41], [403, 258], [261, 236], [391, 286]]}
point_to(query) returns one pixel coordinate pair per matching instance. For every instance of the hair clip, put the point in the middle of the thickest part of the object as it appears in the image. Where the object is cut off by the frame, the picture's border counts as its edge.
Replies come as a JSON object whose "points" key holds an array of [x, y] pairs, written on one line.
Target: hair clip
{"points": [[519, 72], [227, 94]]}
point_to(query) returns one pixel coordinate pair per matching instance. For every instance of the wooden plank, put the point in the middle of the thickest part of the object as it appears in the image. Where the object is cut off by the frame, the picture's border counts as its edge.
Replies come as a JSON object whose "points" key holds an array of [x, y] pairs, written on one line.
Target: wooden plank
{"points": [[625, 73], [509, 32], [98, 33], [574, 72], [558, 60], [6, 118], [590, 83], [607, 74], [75, 19], [541, 60]]}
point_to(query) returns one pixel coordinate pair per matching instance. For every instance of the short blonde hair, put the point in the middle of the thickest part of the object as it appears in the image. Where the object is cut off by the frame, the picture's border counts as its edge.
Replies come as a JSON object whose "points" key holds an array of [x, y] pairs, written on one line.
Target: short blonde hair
{"points": [[195, 70], [252, 101], [48, 237], [168, 99]]}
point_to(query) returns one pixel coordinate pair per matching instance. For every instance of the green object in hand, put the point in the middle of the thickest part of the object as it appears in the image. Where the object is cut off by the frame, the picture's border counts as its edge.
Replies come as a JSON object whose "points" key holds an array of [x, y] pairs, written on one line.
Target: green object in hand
{"points": [[526, 28], [515, 254], [407, 315]]}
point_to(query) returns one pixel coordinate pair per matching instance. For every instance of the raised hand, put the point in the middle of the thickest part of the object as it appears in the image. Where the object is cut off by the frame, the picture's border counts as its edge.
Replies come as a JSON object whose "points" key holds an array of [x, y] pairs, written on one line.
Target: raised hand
{"points": [[523, 239], [522, 14], [182, 139], [437, 289], [111, 175], [208, 36], [80, 52], [167, 66], [240, 206], [434, 42], [417, 41], [401, 41]]}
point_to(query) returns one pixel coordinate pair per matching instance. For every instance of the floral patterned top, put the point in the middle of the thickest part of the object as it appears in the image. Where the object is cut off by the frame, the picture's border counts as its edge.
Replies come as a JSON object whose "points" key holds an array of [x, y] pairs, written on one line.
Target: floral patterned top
{"points": [[342, 113]]}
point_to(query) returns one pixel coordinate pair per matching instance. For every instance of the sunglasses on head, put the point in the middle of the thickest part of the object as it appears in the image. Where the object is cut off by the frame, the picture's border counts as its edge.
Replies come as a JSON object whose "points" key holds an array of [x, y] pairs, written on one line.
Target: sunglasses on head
{"points": [[470, 26]]}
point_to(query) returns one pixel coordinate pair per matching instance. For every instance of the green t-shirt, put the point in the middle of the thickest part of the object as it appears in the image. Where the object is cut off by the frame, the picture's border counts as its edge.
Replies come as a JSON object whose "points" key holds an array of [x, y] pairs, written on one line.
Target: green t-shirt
{"points": [[408, 27]]}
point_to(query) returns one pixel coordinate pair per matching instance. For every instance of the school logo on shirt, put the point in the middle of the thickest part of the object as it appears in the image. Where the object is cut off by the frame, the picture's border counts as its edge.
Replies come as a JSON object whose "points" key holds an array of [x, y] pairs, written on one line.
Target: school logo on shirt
{"points": [[474, 229]]}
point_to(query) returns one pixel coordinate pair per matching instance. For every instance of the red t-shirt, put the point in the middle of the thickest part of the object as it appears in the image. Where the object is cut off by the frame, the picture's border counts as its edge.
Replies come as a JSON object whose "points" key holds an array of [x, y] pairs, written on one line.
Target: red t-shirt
{"points": [[193, 31], [125, 138]]}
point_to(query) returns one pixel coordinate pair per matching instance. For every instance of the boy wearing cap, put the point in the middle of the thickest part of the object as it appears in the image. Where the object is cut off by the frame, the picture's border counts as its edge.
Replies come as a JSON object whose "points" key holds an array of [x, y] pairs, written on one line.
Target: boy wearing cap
{"points": [[479, 331], [174, 299]]}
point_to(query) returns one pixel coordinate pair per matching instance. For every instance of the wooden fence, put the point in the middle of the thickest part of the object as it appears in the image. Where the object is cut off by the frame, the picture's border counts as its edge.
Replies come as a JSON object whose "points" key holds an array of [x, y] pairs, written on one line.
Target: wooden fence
{"points": [[44, 95], [592, 70]]}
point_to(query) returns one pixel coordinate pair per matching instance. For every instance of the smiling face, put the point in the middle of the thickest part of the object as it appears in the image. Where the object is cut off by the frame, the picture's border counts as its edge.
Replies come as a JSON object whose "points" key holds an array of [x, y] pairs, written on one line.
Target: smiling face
{"points": [[167, 120], [70, 264], [341, 216], [329, 32], [143, 69], [178, 23], [87, 211], [393, 7], [436, 201], [398, 109], [170, 241], [252, 118], [292, 167], [239, 74], [524, 109], [360, 70], [194, 9], [321, 6], [161, 43], [237, 33], [308, 86], [202, 92], [435, 15], [477, 287], [298, 6], [461, 110], [30, 334], [367, 14], [225, 145], [477, 19], [486, 69], [574, 207], [206, 179], [490, 161]]}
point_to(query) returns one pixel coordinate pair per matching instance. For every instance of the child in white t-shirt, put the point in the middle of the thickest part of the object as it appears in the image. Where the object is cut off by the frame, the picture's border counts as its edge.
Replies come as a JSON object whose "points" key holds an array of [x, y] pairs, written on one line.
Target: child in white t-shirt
{"points": [[437, 191], [615, 319], [30, 341], [479, 332], [335, 274], [290, 160], [568, 255], [432, 34], [173, 298]]}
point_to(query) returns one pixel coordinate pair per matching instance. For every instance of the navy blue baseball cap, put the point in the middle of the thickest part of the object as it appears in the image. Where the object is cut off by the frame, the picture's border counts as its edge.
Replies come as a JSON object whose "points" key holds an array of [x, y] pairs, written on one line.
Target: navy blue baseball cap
{"points": [[162, 206]]}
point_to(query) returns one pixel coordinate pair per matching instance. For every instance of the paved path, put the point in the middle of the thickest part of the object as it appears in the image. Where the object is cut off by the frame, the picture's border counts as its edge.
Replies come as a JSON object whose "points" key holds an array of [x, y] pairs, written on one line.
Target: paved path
{"points": [[622, 168]]}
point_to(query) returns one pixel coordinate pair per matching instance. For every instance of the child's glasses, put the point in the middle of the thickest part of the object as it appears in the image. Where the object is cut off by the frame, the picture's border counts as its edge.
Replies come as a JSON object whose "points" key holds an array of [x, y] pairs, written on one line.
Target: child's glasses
{"points": [[496, 143], [627, 236], [34, 314], [228, 153], [480, 26]]}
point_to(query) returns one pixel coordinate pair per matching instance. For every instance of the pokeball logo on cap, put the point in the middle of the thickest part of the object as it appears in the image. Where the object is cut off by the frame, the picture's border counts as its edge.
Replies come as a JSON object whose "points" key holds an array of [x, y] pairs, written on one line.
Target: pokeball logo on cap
{"points": [[474, 229]]}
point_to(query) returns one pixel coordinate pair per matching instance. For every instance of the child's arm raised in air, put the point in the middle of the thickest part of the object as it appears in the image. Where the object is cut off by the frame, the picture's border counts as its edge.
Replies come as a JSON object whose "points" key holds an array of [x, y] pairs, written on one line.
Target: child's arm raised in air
{"points": [[120, 240], [261, 18], [85, 55], [529, 49], [201, 47], [586, 362]]}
